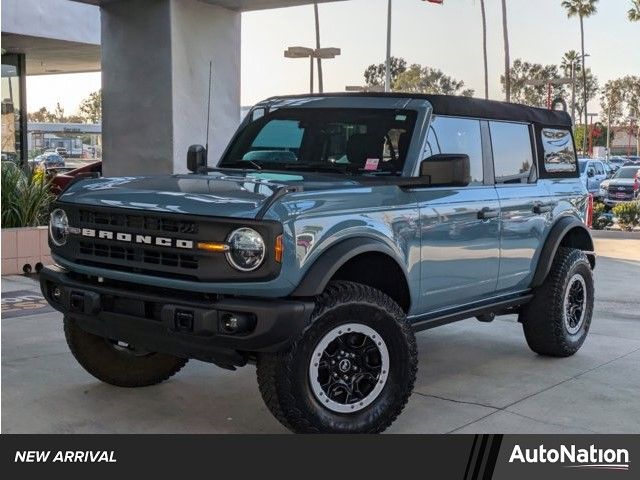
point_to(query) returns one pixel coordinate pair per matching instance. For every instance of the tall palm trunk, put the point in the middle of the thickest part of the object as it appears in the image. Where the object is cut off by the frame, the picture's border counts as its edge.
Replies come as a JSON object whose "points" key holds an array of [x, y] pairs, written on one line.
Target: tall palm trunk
{"points": [[507, 61], [320, 80], [584, 89], [484, 50]]}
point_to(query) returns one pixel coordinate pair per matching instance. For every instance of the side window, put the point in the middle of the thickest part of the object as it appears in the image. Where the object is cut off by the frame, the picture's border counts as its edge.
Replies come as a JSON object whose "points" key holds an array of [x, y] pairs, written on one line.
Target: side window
{"points": [[559, 153], [512, 152], [457, 135]]}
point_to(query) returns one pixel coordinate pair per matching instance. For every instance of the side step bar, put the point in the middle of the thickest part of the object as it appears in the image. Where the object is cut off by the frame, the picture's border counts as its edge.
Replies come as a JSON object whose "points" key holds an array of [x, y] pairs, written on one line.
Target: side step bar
{"points": [[425, 322]]}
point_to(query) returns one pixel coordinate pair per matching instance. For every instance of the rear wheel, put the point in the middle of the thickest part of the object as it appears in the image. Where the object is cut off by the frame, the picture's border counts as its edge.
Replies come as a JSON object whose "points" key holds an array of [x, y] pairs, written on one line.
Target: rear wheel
{"points": [[119, 363], [556, 322], [351, 371]]}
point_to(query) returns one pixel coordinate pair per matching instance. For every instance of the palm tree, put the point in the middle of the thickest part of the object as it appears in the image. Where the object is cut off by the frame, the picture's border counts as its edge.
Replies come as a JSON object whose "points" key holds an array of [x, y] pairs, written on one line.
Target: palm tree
{"points": [[582, 9], [634, 11], [484, 49], [507, 61], [570, 65]]}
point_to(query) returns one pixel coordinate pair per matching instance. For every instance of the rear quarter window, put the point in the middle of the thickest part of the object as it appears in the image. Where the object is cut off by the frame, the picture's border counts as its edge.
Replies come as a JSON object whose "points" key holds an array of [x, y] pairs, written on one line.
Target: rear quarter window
{"points": [[558, 153]]}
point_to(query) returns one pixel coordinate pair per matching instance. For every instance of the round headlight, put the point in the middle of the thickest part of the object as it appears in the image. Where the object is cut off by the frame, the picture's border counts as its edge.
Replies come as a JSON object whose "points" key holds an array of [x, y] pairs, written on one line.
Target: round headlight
{"points": [[246, 249], [59, 227]]}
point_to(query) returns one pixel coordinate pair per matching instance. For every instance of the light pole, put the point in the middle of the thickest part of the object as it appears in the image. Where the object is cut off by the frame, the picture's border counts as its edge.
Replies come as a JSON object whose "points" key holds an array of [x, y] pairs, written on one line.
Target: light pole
{"points": [[591, 116], [311, 53], [387, 63], [317, 17]]}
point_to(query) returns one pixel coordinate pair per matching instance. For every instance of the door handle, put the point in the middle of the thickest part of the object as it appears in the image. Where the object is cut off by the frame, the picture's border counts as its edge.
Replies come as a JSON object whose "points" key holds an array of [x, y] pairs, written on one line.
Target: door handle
{"points": [[486, 213], [539, 208]]}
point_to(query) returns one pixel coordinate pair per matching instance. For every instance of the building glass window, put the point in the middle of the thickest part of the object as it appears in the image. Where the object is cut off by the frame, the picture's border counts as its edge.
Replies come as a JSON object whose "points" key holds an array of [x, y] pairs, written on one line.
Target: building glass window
{"points": [[13, 122], [512, 152]]}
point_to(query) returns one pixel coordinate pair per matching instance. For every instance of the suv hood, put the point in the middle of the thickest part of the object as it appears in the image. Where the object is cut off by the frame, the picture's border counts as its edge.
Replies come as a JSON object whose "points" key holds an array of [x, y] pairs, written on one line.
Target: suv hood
{"points": [[618, 182], [240, 194]]}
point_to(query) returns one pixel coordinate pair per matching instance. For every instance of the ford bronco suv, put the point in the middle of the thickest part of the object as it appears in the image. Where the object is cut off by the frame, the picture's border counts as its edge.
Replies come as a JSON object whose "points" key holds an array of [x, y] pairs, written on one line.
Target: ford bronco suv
{"points": [[332, 229]]}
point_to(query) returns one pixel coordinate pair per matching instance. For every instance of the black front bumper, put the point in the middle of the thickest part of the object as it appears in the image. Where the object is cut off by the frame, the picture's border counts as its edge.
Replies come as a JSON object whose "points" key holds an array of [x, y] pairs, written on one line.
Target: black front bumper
{"points": [[175, 322]]}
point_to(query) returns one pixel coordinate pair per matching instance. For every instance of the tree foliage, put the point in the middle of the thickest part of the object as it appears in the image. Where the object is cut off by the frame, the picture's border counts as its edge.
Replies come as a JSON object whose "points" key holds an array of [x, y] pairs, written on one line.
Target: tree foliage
{"points": [[536, 95], [580, 8], [620, 99], [90, 111], [91, 107], [634, 12], [374, 75], [419, 79]]}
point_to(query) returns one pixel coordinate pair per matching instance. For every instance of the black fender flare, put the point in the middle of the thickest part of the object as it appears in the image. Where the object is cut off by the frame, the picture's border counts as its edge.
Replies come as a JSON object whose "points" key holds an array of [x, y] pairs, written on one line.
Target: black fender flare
{"points": [[554, 239], [324, 268]]}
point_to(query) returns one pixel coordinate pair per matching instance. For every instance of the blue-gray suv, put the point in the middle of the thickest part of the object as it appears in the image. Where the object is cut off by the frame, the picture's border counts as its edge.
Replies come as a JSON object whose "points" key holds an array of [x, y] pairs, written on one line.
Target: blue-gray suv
{"points": [[332, 229]]}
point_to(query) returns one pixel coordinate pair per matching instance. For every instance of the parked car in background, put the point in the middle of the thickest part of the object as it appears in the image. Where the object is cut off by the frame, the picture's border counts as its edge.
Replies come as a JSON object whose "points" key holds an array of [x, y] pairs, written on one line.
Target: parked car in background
{"points": [[62, 151], [619, 161], [623, 187], [60, 181], [592, 174], [48, 160]]}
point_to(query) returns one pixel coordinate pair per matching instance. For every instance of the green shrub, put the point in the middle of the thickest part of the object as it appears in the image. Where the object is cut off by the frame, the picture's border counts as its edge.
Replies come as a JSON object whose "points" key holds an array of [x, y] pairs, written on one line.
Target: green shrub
{"points": [[26, 196], [628, 214], [599, 220]]}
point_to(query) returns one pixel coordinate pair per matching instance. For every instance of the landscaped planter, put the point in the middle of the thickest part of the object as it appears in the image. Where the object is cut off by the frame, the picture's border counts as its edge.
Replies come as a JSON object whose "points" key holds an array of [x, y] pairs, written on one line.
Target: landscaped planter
{"points": [[24, 250]]}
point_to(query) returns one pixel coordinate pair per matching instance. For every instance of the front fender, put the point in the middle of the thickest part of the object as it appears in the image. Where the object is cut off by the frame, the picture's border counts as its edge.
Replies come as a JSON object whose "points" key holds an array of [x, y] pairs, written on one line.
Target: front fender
{"points": [[324, 268]]}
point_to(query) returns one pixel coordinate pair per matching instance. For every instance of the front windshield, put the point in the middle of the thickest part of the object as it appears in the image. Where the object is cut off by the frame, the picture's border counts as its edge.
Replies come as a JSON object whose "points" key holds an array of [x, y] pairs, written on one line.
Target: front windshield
{"points": [[343, 140], [626, 172]]}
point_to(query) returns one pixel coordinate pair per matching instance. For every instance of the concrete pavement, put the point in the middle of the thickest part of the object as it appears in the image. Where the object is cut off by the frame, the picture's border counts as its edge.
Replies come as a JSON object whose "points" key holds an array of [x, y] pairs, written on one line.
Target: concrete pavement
{"points": [[473, 378]]}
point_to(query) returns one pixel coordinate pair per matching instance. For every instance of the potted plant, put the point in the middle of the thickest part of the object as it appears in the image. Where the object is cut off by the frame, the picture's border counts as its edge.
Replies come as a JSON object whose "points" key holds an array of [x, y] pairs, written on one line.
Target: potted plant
{"points": [[26, 200]]}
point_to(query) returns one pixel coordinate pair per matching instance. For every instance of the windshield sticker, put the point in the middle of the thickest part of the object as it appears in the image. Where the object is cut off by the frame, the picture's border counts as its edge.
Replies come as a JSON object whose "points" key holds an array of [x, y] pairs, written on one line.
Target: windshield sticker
{"points": [[372, 164]]}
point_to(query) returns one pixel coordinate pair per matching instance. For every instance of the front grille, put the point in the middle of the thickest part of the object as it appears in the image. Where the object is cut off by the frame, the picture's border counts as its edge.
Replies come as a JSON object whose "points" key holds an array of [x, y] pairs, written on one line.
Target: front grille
{"points": [[139, 222], [138, 255], [159, 244], [620, 189]]}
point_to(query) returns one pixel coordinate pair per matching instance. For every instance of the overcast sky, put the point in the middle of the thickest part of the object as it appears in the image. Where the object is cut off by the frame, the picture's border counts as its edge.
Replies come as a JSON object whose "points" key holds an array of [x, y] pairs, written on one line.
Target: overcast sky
{"points": [[448, 37]]}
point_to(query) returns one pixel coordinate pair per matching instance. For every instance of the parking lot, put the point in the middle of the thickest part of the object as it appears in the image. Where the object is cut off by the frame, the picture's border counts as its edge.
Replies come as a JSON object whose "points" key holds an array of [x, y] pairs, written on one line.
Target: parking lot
{"points": [[473, 377]]}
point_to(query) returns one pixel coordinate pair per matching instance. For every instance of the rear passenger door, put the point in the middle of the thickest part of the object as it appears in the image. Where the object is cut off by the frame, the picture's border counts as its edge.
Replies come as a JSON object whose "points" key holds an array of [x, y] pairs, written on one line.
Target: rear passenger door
{"points": [[524, 203], [459, 226]]}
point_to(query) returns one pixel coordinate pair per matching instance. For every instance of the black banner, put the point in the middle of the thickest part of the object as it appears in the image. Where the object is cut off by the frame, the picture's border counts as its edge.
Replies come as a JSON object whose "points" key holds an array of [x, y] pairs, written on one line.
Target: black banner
{"points": [[463, 457]]}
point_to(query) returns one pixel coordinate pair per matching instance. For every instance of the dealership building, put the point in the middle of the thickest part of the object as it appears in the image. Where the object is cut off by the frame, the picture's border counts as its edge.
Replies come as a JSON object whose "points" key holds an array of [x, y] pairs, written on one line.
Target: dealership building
{"points": [[154, 57]]}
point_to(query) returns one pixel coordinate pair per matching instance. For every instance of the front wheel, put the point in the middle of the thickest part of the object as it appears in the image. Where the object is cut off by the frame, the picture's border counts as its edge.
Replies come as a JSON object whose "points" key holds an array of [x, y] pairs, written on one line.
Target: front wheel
{"points": [[556, 322], [351, 371]]}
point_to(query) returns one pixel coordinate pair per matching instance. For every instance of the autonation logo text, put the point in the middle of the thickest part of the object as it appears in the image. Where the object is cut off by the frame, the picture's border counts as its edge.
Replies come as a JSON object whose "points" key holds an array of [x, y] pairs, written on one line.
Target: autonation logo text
{"points": [[573, 457]]}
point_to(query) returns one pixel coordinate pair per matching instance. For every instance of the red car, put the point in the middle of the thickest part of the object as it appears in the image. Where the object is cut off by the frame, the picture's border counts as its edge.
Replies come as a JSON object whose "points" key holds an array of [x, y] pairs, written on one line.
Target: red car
{"points": [[61, 180]]}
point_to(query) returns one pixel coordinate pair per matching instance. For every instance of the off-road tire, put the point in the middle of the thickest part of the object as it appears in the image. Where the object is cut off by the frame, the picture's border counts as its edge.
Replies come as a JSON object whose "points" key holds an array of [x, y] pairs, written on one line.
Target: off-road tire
{"points": [[543, 318], [117, 367], [283, 378]]}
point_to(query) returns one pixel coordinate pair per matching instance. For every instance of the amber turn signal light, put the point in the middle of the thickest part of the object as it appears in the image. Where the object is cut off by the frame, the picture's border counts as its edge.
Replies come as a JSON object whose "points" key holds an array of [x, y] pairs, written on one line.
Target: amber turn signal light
{"points": [[279, 249], [214, 247]]}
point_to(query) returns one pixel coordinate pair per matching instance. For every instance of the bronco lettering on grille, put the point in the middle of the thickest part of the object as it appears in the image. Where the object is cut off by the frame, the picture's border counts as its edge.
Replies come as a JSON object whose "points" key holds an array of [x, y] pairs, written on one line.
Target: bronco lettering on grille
{"points": [[140, 239]]}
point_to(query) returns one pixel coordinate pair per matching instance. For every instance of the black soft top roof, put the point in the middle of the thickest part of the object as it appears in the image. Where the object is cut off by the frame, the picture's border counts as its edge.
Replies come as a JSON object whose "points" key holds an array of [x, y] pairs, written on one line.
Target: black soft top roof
{"points": [[468, 107]]}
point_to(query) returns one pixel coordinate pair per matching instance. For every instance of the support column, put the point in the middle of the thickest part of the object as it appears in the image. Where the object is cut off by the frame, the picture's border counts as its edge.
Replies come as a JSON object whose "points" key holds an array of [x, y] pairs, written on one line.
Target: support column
{"points": [[155, 76]]}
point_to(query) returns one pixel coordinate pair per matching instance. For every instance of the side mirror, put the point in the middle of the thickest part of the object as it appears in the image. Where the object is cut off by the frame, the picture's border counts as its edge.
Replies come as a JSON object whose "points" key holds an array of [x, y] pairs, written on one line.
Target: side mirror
{"points": [[196, 158], [591, 172], [444, 169]]}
